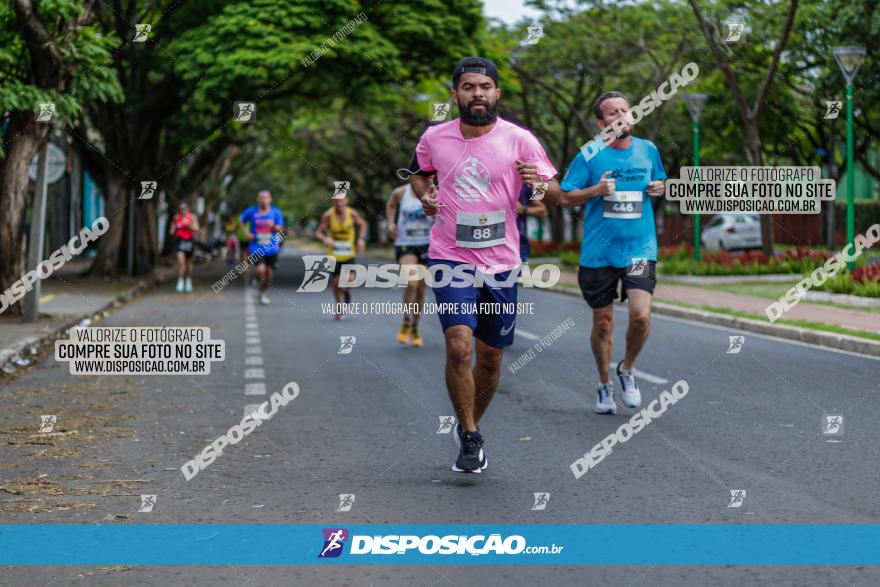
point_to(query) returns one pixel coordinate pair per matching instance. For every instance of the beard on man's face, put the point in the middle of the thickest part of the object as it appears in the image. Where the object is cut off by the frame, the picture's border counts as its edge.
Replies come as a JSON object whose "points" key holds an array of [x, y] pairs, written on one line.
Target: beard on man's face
{"points": [[478, 117], [624, 132]]}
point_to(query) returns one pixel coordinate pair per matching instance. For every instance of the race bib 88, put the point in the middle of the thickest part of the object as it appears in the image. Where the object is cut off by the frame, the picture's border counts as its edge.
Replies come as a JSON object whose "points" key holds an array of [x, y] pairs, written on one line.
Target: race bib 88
{"points": [[477, 230]]}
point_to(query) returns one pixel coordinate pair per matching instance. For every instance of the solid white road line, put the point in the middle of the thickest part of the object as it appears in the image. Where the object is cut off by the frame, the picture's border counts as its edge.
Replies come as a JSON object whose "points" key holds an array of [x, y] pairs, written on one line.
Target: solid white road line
{"points": [[526, 334]]}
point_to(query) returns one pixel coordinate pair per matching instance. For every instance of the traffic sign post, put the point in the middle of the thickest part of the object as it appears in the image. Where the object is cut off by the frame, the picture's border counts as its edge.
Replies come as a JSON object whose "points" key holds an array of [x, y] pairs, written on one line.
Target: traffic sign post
{"points": [[31, 302]]}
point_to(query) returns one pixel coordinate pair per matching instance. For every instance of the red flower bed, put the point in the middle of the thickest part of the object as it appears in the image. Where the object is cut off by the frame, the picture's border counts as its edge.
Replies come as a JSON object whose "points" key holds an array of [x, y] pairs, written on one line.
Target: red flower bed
{"points": [[672, 250], [549, 248], [867, 273], [750, 257], [800, 253]]}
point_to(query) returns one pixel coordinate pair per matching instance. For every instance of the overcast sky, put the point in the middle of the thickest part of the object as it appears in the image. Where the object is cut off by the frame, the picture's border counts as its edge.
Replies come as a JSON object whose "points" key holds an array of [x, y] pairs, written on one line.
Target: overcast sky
{"points": [[509, 11]]}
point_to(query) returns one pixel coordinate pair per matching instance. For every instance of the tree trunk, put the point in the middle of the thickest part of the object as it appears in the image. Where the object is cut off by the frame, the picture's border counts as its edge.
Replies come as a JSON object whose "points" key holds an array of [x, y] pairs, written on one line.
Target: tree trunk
{"points": [[28, 138], [147, 252], [115, 210], [753, 142], [556, 224]]}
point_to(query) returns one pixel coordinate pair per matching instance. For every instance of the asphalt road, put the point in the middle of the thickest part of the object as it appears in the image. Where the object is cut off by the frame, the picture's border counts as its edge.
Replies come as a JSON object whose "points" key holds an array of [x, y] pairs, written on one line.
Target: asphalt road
{"points": [[366, 423]]}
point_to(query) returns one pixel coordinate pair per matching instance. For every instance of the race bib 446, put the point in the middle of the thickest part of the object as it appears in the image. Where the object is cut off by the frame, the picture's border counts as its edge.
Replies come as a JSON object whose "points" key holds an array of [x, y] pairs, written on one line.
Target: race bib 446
{"points": [[624, 205]]}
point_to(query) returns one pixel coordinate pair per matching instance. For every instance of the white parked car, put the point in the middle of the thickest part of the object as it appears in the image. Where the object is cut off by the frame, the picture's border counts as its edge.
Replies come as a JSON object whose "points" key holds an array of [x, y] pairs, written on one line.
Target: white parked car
{"points": [[733, 231]]}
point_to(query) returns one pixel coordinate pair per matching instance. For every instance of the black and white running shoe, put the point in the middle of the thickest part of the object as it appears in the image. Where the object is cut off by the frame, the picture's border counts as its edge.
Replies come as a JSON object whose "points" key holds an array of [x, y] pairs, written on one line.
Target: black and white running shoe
{"points": [[471, 458], [458, 433]]}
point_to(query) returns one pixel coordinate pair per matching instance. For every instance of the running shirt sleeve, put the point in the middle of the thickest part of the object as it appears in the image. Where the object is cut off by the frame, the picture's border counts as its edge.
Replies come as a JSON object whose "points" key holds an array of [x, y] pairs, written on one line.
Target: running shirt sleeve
{"points": [[657, 171], [279, 217], [531, 151], [246, 218], [423, 156], [578, 175]]}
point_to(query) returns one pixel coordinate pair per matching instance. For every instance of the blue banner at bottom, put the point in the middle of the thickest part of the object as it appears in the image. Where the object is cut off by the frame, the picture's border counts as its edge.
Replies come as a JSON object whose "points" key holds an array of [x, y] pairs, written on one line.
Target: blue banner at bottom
{"points": [[271, 544]]}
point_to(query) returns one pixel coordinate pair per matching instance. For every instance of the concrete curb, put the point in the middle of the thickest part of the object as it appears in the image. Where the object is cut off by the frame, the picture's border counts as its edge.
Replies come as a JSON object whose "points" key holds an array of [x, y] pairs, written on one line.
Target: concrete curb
{"points": [[716, 279], [30, 346], [819, 338]]}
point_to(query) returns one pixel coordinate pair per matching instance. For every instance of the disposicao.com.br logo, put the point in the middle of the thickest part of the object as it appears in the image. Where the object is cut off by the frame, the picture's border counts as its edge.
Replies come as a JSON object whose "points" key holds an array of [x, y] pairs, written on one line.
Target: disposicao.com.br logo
{"points": [[479, 544]]}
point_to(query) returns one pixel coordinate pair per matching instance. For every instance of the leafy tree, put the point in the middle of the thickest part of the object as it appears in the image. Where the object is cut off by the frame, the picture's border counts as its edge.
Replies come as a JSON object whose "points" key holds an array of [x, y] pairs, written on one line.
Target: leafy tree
{"points": [[182, 84], [49, 52], [757, 50]]}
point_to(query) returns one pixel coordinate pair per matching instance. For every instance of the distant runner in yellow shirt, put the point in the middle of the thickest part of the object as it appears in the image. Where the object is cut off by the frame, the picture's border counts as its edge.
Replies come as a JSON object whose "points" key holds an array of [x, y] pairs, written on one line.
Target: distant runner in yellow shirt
{"points": [[337, 232]]}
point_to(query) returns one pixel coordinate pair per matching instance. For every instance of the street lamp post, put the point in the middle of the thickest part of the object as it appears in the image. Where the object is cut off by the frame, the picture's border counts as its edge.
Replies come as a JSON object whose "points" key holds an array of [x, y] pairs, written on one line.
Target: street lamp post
{"points": [[849, 59], [695, 104]]}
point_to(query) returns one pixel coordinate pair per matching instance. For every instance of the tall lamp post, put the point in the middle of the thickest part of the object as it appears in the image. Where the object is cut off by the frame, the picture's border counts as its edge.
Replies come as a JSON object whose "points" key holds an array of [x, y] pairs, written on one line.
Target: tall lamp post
{"points": [[849, 59], [695, 104]]}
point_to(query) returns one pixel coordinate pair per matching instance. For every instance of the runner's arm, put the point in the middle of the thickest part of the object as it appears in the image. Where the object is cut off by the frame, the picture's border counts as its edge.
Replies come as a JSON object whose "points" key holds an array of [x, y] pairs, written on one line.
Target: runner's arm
{"points": [[391, 210], [245, 220], [362, 231], [553, 194], [537, 209], [578, 197], [420, 184], [528, 171], [656, 188], [320, 232], [605, 187]]}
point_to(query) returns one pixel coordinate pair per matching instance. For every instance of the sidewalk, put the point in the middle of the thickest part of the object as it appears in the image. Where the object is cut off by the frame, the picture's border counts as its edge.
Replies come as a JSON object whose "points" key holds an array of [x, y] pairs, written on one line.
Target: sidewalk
{"points": [[65, 299], [695, 296]]}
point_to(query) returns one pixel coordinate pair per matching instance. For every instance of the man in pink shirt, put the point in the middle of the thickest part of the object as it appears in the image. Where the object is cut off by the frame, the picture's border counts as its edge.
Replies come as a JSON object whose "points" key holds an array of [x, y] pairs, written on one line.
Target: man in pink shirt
{"points": [[480, 162]]}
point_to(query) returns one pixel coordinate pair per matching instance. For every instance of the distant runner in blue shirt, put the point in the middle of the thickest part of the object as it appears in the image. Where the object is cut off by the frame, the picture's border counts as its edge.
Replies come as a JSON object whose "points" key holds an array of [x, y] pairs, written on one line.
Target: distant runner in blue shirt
{"points": [[526, 207], [620, 241], [264, 225]]}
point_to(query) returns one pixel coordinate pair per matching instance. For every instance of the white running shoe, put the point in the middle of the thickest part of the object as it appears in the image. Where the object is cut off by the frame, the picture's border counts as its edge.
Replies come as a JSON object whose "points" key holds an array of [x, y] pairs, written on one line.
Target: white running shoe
{"points": [[629, 395], [188, 285], [180, 284], [605, 399], [264, 299]]}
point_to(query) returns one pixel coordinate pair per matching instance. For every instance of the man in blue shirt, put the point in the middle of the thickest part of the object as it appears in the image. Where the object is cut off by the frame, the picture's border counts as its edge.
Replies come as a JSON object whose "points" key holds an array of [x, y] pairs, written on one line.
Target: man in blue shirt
{"points": [[620, 241], [264, 225], [526, 207]]}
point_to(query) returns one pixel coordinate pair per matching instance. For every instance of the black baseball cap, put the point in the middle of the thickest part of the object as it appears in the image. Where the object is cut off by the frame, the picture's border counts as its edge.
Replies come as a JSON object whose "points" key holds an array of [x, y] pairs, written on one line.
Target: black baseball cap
{"points": [[474, 65]]}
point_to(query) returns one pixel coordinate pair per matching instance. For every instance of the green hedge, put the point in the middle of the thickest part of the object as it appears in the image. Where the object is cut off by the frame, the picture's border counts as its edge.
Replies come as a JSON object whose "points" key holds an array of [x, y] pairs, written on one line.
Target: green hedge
{"points": [[866, 214]]}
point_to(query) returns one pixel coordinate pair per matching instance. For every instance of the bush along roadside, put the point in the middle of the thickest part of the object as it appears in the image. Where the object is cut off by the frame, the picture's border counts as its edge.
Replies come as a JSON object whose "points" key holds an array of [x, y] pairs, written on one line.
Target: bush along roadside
{"points": [[864, 280]]}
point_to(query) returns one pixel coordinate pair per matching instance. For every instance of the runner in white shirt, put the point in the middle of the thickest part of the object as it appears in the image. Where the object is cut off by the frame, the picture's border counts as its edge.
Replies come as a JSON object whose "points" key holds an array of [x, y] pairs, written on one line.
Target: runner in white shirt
{"points": [[411, 233]]}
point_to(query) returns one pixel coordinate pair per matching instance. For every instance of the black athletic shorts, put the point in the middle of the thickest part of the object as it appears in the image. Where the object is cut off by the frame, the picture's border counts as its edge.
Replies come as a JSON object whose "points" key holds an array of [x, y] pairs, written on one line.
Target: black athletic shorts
{"points": [[186, 246], [599, 284], [270, 260], [338, 268], [420, 251]]}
